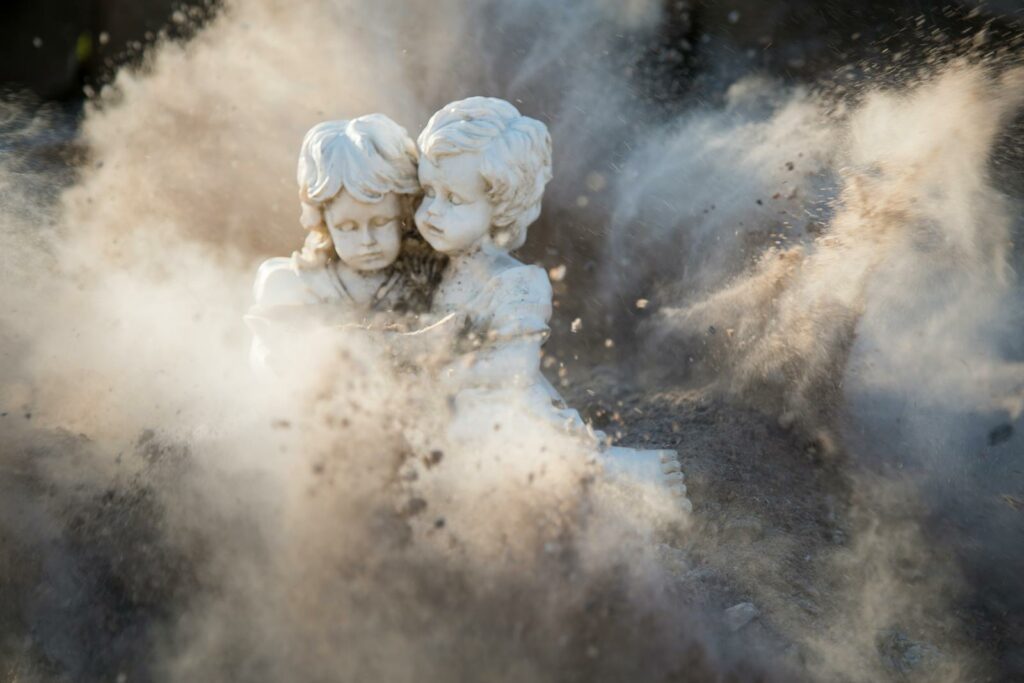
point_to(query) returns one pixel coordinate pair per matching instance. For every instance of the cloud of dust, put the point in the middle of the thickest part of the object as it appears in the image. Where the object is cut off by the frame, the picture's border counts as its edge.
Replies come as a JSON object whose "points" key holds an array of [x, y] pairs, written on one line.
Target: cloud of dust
{"points": [[880, 322], [186, 521], [706, 193], [325, 529], [919, 238]]}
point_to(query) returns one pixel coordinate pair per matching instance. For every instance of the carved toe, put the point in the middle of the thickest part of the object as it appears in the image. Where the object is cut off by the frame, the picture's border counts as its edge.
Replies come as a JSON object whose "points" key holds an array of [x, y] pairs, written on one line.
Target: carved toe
{"points": [[675, 478]]}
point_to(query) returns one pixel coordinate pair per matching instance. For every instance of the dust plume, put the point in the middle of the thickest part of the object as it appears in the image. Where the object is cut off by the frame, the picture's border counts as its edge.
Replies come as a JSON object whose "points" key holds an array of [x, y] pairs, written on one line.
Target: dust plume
{"points": [[170, 517], [915, 234], [886, 333]]}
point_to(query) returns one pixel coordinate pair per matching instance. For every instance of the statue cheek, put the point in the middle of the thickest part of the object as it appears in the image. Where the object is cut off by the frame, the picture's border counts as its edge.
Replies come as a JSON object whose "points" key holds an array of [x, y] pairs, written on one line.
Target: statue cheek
{"points": [[392, 240], [343, 242]]}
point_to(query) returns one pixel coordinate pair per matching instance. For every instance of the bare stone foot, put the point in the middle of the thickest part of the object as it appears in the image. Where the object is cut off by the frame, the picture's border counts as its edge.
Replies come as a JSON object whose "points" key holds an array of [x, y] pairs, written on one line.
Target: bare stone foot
{"points": [[656, 467]]}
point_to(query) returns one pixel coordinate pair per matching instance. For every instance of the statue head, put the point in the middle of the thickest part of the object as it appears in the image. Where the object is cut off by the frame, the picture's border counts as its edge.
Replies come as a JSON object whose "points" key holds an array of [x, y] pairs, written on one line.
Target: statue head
{"points": [[483, 168], [357, 184]]}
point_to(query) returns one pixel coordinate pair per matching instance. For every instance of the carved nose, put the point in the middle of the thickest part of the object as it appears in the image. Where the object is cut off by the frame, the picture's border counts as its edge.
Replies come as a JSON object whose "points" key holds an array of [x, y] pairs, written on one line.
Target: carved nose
{"points": [[368, 237], [430, 207]]}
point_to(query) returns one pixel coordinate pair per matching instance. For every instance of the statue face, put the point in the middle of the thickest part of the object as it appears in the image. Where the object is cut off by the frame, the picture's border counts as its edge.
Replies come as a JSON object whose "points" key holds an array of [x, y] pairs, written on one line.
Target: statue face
{"points": [[366, 236], [455, 215]]}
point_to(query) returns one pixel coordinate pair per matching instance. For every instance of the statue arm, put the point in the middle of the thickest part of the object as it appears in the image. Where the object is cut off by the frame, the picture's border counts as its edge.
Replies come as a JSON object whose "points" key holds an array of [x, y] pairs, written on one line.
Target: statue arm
{"points": [[428, 343], [279, 285], [513, 363], [279, 296], [507, 352]]}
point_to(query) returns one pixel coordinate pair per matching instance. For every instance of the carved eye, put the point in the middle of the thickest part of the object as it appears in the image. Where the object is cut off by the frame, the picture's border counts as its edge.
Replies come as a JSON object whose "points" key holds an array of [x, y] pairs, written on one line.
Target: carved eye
{"points": [[348, 226], [381, 221], [455, 199]]}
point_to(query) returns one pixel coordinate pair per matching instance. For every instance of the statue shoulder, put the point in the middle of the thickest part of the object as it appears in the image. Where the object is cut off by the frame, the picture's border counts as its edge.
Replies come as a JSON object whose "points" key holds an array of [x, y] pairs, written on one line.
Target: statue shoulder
{"points": [[520, 303], [525, 282], [280, 282]]}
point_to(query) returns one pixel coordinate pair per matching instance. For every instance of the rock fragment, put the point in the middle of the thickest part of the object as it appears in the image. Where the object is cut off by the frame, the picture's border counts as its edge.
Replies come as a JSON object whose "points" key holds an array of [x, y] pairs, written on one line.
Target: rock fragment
{"points": [[738, 616]]}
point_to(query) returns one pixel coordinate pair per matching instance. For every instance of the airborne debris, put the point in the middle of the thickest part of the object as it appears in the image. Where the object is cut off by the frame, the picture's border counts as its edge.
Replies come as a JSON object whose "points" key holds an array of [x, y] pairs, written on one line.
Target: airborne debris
{"points": [[1000, 434], [642, 303], [596, 181], [576, 326], [413, 507], [1013, 501], [557, 274]]}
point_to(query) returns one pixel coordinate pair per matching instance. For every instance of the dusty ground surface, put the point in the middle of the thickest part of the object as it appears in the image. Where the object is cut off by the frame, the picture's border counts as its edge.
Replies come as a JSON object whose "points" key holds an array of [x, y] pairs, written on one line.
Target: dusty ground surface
{"points": [[806, 539], [766, 515]]}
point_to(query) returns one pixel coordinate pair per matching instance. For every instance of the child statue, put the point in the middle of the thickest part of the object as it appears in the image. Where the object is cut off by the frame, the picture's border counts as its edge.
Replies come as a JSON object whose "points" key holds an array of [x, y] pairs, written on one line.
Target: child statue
{"points": [[483, 168], [357, 187]]}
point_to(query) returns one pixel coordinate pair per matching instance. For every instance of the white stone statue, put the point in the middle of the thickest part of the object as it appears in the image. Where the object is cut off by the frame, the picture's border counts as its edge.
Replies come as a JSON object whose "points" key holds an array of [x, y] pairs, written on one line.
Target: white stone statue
{"points": [[483, 168], [482, 172], [357, 187]]}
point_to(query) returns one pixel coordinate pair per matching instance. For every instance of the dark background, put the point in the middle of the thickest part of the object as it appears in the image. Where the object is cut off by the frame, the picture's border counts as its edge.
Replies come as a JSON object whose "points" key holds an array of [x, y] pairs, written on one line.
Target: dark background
{"points": [[55, 48]]}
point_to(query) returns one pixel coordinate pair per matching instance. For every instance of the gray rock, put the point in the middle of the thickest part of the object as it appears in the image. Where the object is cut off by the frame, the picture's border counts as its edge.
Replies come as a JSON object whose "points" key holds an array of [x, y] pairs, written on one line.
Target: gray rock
{"points": [[738, 616]]}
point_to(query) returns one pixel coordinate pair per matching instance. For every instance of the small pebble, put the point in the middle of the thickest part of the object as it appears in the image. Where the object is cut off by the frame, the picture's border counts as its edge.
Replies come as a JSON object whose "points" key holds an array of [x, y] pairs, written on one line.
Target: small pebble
{"points": [[738, 616]]}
